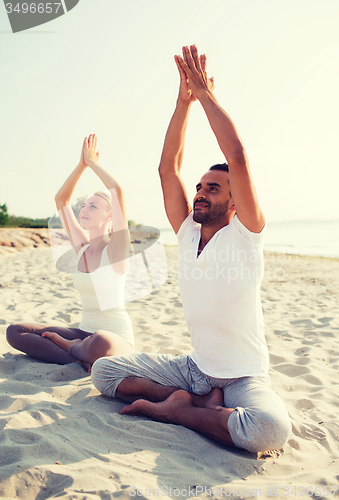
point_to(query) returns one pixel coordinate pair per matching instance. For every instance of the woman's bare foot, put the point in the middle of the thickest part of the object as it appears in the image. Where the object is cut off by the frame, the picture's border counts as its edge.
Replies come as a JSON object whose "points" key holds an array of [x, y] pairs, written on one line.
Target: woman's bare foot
{"points": [[60, 341]]}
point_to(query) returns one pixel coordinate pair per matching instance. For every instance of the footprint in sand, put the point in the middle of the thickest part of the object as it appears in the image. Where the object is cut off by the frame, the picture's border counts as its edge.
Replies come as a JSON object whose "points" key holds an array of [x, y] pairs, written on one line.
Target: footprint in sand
{"points": [[303, 361], [291, 370], [310, 432], [276, 359], [304, 404], [327, 334], [303, 322], [302, 351], [23, 437], [325, 320], [308, 342], [294, 444], [64, 316], [10, 455], [283, 333], [309, 323], [5, 402], [311, 379]]}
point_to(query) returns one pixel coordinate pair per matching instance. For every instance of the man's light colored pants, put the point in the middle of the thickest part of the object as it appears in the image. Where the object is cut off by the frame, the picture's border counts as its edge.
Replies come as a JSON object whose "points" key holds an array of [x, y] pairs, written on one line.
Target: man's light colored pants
{"points": [[260, 422]]}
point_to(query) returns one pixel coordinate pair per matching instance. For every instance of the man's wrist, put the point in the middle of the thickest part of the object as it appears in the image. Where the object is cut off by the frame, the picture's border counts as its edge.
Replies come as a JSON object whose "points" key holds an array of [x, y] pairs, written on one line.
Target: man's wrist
{"points": [[205, 95], [183, 105]]}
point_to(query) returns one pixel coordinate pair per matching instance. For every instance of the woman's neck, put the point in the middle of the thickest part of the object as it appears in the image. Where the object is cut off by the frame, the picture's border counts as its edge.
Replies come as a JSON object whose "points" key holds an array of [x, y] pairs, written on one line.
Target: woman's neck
{"points": [[97, 242]]}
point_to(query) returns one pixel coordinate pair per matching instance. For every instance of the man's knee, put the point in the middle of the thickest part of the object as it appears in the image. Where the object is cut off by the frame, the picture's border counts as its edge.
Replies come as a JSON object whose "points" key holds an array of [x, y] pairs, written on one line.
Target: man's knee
{"points": [[259, 431], [105, 377], [274, 433]]}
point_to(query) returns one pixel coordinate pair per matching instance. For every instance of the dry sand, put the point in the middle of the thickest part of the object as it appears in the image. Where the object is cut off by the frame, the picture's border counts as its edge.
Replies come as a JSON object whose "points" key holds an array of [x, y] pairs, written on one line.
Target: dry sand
{"points": [[61, 438]]}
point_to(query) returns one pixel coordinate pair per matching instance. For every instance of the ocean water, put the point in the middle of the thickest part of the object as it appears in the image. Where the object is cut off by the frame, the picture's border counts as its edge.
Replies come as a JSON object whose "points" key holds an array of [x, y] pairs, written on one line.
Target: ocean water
{"points": [[317, 238]]}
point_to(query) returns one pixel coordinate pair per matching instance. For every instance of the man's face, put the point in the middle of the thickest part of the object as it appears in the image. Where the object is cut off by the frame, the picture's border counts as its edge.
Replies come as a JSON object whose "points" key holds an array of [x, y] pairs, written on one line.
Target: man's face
{"points": [[213, 203]]}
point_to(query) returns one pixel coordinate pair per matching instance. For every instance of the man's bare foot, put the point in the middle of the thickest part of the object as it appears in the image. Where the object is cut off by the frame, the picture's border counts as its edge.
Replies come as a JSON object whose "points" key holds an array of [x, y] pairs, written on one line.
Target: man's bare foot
{"points": [[178, 409], [214, 399], [165, 411], [60, 341]]}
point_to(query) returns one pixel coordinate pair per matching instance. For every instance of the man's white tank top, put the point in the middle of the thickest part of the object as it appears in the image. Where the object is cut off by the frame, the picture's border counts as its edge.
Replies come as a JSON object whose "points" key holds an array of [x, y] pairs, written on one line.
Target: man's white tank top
{"points": [[102, 298], [220, 293]]}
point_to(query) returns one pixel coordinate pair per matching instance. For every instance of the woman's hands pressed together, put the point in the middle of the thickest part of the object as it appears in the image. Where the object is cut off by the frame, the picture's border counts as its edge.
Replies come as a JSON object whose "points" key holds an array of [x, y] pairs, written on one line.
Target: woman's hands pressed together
{"points": [[90, 153]]}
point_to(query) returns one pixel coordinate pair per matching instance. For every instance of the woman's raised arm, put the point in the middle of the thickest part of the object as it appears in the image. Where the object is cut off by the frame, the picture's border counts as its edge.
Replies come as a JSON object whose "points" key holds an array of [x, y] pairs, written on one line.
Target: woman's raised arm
{"points": [[76, 234], [119, 246]]}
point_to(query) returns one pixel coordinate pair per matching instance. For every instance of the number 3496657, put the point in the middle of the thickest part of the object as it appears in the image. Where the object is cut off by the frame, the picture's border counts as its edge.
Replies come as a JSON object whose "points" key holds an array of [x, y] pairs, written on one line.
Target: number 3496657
{"points": [[33, 8]]}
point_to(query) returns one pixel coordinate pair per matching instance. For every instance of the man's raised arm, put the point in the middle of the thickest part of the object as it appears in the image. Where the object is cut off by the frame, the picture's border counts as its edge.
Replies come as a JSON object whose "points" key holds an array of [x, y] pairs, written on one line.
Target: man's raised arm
{"points": [[241, 184], [175, 197]]}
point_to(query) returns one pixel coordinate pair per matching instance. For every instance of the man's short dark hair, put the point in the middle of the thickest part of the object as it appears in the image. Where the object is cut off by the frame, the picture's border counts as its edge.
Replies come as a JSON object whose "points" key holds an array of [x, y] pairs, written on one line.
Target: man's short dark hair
{"points": [[220, 166]]}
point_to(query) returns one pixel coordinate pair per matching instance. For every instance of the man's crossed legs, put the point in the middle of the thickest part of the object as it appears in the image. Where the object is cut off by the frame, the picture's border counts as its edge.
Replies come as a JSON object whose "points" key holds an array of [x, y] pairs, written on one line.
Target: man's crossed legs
{"points": [[243, 412]]}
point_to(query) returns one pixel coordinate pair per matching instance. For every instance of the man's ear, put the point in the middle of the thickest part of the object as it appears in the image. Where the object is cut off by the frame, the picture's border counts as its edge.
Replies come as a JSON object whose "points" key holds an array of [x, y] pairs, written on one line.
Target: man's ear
{"points": [[232, 206]]}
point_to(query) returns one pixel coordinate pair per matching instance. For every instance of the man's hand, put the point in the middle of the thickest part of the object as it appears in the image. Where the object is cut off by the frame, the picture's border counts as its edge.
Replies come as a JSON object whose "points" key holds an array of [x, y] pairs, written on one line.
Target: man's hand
{"points": [[193, 75], [185, 93], [89, 149]]}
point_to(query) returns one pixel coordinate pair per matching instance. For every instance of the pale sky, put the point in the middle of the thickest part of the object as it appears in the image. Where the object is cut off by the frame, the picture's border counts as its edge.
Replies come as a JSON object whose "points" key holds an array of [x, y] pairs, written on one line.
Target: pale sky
{"points": [[107, 67]]}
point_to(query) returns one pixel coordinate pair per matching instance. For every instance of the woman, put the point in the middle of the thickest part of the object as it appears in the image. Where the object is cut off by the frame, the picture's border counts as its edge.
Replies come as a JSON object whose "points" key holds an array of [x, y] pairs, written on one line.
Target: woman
{"points": [[101, 242]]}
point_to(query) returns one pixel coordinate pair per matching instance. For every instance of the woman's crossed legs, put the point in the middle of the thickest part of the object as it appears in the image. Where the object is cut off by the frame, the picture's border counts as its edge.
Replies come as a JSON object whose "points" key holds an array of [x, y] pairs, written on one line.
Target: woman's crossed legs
{"points": [[63, 345]]}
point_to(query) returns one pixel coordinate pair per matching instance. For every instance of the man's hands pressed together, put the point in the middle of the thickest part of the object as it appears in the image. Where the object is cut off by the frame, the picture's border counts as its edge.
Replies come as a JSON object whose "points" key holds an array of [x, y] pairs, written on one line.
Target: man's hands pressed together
{"points": [[193, 75]]}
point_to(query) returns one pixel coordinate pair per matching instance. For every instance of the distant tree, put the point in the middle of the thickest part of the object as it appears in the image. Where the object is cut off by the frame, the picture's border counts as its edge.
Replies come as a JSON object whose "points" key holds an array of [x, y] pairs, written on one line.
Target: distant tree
{"points": [[3, 215], [78, 205], [14, 221], [55, 222]]}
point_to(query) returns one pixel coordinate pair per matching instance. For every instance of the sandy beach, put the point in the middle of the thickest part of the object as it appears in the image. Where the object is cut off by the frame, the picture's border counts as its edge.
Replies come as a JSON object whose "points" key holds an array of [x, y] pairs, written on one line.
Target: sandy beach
{"points": [[61, 438]]}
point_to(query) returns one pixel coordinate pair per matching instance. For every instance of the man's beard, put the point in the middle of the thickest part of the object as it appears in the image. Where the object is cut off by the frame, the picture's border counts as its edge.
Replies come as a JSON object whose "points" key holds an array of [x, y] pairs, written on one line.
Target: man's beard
{"points": [[213, 215]]}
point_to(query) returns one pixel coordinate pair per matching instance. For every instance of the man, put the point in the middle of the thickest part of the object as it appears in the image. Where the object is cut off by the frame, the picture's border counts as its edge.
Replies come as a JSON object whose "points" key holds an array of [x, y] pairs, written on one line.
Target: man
{"points": [[222, 389]]}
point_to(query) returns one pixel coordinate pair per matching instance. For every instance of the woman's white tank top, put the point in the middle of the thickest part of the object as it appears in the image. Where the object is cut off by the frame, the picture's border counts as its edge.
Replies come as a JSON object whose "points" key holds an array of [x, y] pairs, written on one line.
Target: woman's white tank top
{"points": [[102, 298]]}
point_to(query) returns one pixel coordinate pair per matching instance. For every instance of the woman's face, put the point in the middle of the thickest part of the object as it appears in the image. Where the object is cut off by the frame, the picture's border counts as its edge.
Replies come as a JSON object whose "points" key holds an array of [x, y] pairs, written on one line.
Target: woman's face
{"points": [[95, 213]]}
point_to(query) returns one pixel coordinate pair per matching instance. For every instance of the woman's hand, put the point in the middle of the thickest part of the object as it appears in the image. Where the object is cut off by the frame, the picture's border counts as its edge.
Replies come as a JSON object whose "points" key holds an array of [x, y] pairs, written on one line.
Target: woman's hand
{"points": [[89, 150], [82, 162]]}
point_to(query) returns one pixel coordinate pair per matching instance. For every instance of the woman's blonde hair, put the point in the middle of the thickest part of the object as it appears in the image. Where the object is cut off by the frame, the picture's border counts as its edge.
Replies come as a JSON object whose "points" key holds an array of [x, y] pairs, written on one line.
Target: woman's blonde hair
{"points": [[105, 196]]}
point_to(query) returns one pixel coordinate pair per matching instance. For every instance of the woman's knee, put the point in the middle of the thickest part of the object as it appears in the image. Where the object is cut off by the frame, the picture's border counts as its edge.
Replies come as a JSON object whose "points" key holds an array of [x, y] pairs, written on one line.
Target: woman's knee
{"points": [[101, 344], [13, 334], [98, 345], [108, 344]]}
